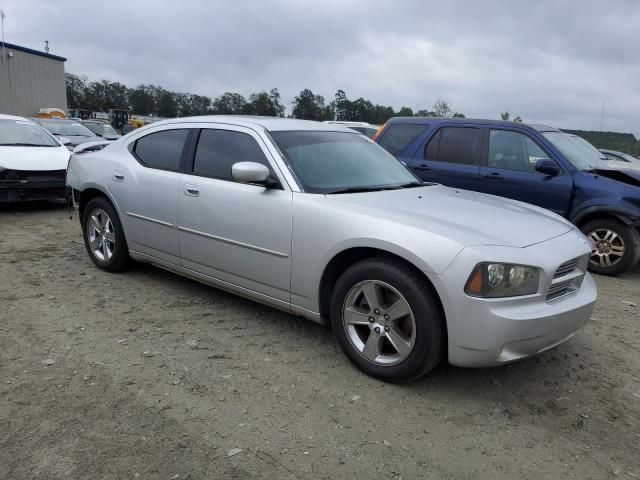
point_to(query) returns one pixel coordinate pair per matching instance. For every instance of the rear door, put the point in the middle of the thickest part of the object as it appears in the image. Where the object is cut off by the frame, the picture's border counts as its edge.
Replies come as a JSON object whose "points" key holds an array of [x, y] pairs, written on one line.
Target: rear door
{"points": [[451, 156], [508, 170], [147, 192]]}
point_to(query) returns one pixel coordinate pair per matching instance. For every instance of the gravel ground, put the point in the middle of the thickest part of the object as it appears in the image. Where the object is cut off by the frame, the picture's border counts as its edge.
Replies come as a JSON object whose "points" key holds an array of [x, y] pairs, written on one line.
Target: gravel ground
{"points": [[148, 375]]}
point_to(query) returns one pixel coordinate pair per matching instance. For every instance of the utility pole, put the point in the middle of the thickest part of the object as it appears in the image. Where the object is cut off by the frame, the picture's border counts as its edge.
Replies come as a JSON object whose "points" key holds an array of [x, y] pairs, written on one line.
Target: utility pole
{"points": [[602, 116], [2, 15]]}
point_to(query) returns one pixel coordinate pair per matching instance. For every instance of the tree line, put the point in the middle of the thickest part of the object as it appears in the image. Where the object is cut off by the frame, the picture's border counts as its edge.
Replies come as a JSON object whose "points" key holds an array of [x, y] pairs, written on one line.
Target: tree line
{"points": [[154, 100]]}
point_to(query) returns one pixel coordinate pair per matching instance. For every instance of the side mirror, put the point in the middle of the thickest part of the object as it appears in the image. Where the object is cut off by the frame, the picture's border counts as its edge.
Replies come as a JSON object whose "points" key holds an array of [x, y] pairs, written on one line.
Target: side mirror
{"points": [[251, 172], [548, 167], [64, 140]]}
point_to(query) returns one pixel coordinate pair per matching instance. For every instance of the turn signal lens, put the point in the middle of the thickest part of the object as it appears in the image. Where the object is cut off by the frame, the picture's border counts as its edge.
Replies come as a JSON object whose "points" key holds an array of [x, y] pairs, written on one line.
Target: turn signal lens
{"points": [[497, 280]]}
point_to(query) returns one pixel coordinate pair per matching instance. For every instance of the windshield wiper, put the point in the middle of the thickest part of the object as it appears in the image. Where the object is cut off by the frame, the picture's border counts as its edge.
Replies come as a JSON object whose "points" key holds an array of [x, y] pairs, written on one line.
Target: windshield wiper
{"points": [[20, 144], [377, 189]]}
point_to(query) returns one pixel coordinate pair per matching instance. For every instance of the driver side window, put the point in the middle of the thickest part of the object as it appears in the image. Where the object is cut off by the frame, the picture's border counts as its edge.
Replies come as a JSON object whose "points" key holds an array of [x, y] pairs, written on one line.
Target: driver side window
{"points": [[513, 151]]}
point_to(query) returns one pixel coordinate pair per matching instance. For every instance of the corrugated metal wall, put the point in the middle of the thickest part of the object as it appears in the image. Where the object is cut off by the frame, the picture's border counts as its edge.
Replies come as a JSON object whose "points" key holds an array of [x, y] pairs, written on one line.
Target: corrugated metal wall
{"points": [[30, 82]]}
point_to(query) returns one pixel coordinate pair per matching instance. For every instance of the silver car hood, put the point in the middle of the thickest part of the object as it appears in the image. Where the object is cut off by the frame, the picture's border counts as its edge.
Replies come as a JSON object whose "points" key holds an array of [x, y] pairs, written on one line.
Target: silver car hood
{"points": [[469, 218]]}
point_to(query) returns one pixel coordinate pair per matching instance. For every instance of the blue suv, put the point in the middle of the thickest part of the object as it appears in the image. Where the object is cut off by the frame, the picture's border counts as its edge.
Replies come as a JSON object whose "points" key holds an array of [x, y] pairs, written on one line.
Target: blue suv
{"points": [[531, 163]]}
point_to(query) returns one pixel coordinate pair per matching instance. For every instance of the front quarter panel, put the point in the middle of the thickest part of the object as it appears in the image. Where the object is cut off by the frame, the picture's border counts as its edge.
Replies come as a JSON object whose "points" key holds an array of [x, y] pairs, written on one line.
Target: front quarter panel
{"points": [[321, 230]]}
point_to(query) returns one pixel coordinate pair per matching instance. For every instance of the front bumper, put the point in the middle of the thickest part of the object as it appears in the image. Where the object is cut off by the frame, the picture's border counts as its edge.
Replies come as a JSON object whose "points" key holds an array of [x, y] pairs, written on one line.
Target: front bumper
{"points": [[24, 185], [488, 332]]}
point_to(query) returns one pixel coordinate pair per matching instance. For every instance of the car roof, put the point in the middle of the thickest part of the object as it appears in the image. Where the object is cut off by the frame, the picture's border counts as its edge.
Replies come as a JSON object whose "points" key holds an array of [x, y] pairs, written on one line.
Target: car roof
{"points": [[470, 121], [272, 124], [59, 120], [606, 150], [12, 117]]}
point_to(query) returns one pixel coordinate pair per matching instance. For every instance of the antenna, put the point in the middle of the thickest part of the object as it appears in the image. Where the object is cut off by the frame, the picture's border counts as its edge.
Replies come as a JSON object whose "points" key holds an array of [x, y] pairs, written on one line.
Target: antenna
{"points": [[46, 46]]}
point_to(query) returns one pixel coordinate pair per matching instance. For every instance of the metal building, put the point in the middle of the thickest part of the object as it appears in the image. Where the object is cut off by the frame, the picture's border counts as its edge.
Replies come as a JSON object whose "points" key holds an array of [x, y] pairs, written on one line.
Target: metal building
{"points": [[30, 80]]}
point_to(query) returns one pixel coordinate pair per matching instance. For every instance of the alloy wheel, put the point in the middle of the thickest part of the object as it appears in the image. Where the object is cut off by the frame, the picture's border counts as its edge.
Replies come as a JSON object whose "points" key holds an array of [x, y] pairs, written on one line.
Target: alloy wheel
{"points": [[101, 236], [609, 247], [379, 322]]}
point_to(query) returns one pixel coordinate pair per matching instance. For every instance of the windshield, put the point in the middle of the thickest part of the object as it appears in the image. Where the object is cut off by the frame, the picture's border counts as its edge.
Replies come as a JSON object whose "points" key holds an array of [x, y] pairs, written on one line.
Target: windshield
{"points": [[576, 152], [337, 162], [101, 128], [66, 129], [24, 133], [588, 146]]}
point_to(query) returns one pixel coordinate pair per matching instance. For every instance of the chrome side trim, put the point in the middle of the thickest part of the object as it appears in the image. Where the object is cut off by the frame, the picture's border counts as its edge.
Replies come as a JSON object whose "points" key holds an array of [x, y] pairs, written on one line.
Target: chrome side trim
{"points": [[233, 242], [227, 286], [149, 219]]}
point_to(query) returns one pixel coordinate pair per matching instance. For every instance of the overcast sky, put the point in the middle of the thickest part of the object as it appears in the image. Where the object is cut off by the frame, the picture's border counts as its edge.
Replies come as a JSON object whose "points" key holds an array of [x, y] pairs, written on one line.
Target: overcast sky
{"points": [[549, 61]]}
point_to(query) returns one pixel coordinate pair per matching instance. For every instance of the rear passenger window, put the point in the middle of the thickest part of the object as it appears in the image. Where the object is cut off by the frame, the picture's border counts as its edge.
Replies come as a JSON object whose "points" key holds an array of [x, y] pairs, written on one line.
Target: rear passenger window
{"points": [[398, 136], [218, 150], [455, 145], [162, 150]]}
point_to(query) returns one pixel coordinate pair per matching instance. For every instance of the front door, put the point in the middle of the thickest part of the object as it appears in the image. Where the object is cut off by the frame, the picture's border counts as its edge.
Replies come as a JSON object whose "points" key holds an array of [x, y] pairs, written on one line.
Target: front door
{"points": [[509, 171], [234, 232]]}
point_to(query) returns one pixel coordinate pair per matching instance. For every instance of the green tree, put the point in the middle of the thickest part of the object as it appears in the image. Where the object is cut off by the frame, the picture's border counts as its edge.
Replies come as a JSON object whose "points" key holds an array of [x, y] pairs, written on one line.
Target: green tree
{"points": [[142, 100], [506, 116], [166, 103], [76, 87], [265, 103], [405, 112], [308, 106], [229, 104]]}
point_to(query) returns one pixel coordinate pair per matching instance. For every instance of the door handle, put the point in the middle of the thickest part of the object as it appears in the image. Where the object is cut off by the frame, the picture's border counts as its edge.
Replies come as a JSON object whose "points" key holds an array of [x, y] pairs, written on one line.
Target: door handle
{"points": [[118, 176], [423, 166], [493, 176], [191, 190]]}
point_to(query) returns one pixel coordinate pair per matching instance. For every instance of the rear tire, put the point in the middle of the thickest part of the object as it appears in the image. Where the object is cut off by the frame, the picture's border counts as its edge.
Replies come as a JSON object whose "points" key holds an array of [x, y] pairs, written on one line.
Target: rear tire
{"points": [[388, 320], [104, 236], [617, 246]]}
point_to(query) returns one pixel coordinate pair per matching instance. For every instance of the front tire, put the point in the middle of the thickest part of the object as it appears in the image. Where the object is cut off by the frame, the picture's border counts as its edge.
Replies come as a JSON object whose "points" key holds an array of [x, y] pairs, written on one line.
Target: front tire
{"points": [[616, 246], [104, 236], [387, 319]]}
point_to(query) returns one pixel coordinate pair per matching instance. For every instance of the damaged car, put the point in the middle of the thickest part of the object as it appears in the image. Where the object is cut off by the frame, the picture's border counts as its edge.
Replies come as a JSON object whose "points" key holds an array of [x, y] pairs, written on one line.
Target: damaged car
{"points": [[535, 164], [33, 162]]}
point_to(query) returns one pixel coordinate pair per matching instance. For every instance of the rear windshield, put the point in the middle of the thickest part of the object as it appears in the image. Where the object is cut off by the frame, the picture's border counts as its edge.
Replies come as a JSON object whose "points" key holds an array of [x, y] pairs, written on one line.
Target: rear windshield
{"points": [[397, 137]]}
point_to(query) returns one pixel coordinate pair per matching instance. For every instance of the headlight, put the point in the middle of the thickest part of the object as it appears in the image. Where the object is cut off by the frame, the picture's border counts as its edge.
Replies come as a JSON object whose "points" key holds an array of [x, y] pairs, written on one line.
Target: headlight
{"points": [[495, 280]]}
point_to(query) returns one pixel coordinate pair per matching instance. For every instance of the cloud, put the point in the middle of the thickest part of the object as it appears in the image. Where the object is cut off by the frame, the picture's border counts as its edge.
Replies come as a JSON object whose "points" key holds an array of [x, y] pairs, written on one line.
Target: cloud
{"points": [[551, 61]]}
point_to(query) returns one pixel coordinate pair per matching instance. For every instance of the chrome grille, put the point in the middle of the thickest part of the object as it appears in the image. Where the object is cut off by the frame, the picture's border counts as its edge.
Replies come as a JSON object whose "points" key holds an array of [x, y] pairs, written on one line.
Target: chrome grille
{"points": [[566, 267], [560, 289]]}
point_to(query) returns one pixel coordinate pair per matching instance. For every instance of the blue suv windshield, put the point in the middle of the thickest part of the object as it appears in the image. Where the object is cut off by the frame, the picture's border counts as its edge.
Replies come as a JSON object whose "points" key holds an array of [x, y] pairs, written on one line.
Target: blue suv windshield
{"points": [[581, 157]]}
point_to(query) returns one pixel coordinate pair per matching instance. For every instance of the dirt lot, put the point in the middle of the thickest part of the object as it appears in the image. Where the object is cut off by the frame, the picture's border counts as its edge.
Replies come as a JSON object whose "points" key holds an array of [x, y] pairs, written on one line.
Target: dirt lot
{"points": [[158, 377]]}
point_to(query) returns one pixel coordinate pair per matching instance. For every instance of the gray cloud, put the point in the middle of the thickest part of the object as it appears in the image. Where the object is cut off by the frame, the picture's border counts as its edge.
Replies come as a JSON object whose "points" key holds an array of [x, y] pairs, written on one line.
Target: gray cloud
{"points": [[547, 61]]}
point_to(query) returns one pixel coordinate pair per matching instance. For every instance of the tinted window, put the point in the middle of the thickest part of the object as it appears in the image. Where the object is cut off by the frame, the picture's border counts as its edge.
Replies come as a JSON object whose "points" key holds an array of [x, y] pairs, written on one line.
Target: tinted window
{"points": [[397, 137], [218, 150], [455, 145], [162, 150], [513, 151]]}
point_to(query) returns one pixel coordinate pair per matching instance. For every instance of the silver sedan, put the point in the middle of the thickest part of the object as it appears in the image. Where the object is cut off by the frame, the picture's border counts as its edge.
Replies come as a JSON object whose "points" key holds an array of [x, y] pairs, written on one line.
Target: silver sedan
{"points": [[319, 221]]}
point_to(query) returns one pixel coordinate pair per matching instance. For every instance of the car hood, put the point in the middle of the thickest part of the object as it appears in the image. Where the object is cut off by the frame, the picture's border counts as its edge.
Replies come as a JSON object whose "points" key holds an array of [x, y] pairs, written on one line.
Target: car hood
{"points": [[78, 140], [469, 218], [34, 158]]}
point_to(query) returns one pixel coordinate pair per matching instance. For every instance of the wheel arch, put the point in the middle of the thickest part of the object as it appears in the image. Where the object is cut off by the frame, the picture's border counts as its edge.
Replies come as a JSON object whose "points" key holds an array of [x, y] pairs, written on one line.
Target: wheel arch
{"points": [[344, 259], [594, 213], [94, 191]]}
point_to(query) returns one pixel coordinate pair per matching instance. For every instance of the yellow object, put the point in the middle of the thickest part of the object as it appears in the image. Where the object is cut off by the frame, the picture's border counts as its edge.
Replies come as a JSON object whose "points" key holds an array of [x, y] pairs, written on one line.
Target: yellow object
{"points": [[51, 113], [136, 123]]}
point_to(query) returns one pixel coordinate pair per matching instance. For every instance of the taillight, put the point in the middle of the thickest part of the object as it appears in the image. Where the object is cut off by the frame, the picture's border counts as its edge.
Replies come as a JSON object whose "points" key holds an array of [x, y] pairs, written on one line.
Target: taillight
{"points": [[377, 134]]}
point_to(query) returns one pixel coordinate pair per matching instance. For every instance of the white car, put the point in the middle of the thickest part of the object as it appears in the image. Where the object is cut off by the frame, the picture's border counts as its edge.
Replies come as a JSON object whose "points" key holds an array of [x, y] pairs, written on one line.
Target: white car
{"points": [[33, 162], [364, 128]]}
